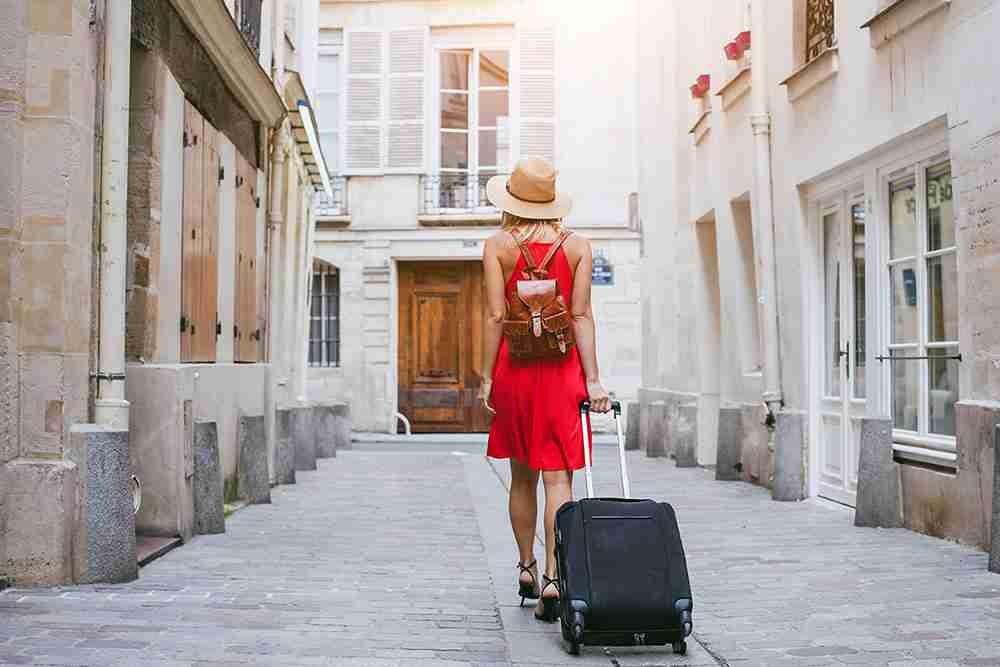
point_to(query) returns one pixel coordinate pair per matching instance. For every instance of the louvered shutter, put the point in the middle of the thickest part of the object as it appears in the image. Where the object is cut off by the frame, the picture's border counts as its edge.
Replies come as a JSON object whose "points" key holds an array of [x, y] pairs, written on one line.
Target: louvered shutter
{"points": [[537, 53], [363, 108], [405, 121]]}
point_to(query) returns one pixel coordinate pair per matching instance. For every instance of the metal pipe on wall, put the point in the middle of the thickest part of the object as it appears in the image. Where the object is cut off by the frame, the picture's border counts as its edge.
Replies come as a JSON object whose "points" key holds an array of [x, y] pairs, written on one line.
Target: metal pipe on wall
{"points": [[111, 408], [763, 211]]}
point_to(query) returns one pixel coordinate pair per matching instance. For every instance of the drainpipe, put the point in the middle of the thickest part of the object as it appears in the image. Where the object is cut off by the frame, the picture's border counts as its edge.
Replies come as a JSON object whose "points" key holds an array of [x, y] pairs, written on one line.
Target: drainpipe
{"points": [[273, 227], [763, 203], [111, 408]]}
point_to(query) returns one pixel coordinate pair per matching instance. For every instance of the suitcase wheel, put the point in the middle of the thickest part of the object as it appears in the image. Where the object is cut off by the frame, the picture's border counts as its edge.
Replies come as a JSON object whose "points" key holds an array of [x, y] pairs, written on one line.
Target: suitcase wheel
{"points": [[681, 647], [573, 648]]}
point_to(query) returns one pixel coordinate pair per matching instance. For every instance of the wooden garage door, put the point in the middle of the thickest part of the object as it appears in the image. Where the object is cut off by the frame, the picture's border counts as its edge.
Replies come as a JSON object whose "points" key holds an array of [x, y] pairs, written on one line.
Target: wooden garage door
{"points": [[441, 346]]}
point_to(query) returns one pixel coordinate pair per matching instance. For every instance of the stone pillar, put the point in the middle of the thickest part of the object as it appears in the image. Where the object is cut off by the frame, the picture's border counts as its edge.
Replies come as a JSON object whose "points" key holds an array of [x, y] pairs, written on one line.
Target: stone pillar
{"points": [[656, 440], [632, 415], [878, 480], [789, 439], [104, 534], [254, 484], [684, 436], [209, 505], [727, 468], [324, 423], [342, 425], [284, 452], [37, 513], [304, 438], [995, 519]]}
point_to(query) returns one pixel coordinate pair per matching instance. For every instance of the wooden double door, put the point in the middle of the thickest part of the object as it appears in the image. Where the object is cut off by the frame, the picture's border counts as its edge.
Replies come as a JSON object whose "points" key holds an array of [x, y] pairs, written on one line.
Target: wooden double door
{"points": [[441, 308]]}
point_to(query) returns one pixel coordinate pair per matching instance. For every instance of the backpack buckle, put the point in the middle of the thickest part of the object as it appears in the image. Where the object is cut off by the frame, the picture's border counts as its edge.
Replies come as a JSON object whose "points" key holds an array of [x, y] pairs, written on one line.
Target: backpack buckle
{"points": [[536, 324]]}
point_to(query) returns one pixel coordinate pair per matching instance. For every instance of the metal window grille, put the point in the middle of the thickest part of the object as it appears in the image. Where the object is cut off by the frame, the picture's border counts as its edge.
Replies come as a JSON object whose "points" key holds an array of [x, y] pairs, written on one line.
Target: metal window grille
{"points": [[326, 205], [820, 33], [454, 193], [247, 13], [324, 325]]}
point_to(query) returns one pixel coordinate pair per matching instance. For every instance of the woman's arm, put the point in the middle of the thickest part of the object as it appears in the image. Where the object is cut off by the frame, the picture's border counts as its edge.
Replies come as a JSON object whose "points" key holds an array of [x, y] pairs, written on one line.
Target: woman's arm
{"points": [[496, 310], [584, 329]]}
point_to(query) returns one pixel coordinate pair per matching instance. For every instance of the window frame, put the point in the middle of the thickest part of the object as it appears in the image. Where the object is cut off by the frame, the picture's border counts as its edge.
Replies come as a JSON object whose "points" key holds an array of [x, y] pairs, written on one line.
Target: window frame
{"points": [[329, 318], [474, 170], [912, 443]]}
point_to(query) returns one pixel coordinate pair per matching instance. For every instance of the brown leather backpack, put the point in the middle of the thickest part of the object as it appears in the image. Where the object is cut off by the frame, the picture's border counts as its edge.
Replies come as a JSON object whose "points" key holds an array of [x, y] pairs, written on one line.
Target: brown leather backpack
{"points": [[538, 324]]}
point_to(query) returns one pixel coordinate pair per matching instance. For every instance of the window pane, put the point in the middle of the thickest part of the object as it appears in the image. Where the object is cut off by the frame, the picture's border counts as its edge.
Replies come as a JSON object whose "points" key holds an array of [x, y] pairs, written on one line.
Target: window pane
{"points": [[454, 150], [326, 110], [905, 391], [831, 291], [329, 73], [488, 148], [904, 303], [902, 219], [454, 111], [494, 68], [943, 385], [333, 353], [315, 350], [455, 70], [493, 105], [942, 306], [315, 328], [858, 256], [331, 150], [940, 208]]}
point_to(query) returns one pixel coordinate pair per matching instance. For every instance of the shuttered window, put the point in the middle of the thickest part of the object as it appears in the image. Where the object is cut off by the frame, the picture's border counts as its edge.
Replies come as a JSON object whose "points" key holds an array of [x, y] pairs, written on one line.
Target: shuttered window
{"points": [[324, 324], [246, 329], [200, 223], [537, 71], [363, 101], [405, 140]]}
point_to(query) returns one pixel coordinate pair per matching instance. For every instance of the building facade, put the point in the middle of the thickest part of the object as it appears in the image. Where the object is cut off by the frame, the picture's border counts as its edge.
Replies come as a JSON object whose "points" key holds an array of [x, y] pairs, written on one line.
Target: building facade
{"points": [[163, 159], [419, 104], [819, 184]]}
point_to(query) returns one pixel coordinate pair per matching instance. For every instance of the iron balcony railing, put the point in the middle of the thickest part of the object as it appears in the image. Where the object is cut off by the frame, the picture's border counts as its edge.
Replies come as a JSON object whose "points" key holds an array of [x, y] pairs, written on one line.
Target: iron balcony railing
{"points": [[247, 14], [327, 206], [454, 193]]}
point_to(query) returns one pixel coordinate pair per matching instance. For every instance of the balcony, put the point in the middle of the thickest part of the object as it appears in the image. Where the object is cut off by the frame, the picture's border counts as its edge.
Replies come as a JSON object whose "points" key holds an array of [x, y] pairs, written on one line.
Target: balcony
{"points": [[456, 198], [333, 210], [247, 15]]}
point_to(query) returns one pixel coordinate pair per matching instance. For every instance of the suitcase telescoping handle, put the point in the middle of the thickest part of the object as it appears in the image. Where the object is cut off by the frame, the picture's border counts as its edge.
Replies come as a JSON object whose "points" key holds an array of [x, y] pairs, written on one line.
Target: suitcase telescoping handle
{"points": [[616, 408]]}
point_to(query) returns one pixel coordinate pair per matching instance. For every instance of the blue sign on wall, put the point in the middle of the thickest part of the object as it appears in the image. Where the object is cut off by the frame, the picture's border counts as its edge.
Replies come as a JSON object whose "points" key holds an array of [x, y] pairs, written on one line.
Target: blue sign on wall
{"points": [[602, 273]]}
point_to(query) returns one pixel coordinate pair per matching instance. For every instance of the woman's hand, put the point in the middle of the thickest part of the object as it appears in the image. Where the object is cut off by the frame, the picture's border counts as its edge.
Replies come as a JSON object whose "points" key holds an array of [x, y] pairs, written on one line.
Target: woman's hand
{"points": [[485, 389], [598, 395]]}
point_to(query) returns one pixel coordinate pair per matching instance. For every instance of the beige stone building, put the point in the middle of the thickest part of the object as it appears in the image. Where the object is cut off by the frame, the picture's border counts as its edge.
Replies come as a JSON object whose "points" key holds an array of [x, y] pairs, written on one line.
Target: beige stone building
{"points": [[161, 160], [420, 102], [820, 213]]}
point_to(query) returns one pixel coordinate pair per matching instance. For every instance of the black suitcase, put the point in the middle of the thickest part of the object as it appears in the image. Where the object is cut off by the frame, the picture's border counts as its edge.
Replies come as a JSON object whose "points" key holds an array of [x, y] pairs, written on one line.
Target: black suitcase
{"points": [[623, 578]]}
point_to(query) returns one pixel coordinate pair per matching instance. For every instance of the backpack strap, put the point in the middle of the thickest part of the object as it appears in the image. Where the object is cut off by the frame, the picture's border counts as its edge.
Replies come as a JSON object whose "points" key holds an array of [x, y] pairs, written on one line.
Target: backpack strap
{"points": [[554, 248], [525, 251]]}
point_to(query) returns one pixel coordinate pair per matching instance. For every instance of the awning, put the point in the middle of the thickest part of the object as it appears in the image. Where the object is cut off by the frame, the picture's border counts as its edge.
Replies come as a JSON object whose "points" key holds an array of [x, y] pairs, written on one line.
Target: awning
{"points": [[306, 132]]}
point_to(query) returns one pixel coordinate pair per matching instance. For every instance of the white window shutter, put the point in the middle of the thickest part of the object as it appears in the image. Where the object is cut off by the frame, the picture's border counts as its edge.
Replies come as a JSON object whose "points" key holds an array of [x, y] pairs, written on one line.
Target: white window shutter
{"points": [[363, 102], [537, 69], [405, 120]]}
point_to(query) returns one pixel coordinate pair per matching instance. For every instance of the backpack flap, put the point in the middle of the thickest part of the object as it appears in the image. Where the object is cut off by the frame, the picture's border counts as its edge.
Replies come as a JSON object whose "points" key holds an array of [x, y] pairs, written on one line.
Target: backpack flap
{"points": [[536, 295]]}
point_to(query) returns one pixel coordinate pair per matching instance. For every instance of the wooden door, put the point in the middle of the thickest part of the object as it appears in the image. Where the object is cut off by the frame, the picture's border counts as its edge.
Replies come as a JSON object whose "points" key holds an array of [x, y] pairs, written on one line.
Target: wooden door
{"points": [[441, 346], [246, 332]]}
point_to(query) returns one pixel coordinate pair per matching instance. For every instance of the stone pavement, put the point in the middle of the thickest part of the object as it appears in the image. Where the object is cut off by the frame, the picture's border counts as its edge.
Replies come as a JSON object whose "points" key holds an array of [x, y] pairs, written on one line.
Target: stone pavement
{"points": [[395, 556]]}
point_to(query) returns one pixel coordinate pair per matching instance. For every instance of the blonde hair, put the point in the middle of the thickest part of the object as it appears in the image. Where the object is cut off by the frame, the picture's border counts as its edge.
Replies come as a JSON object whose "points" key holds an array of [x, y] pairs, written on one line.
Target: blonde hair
{"points": [[527, 228]]}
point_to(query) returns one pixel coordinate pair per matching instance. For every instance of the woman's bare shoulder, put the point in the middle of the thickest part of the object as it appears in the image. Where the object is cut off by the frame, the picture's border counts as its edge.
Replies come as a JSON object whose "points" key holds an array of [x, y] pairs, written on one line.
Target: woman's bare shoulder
{"points": [[578, 243], [501, 239]]}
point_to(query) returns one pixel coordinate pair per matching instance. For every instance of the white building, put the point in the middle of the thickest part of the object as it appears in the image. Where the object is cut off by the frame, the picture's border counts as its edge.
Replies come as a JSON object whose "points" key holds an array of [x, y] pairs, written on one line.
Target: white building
{"points": [[419, 103], [826, 204]]}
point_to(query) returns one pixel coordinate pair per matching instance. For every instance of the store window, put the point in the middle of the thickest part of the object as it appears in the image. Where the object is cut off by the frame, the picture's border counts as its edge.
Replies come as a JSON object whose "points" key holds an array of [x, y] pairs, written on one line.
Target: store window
{"points": [[923, 318], [324, 326], [820, 34]]}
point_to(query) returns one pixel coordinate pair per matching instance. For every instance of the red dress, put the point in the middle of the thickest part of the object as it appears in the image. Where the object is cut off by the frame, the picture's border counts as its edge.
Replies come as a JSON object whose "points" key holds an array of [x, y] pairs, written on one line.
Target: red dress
{"points": [[537, 419]]}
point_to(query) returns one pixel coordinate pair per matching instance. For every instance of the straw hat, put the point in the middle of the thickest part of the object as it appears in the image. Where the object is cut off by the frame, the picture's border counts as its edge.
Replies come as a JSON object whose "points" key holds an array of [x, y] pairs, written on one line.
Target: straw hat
{"points": [[530, 191]]}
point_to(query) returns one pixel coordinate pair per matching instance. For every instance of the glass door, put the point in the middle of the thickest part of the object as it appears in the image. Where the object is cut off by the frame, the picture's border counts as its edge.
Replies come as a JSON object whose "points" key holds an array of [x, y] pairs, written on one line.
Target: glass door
{"points": [[842, 348]]}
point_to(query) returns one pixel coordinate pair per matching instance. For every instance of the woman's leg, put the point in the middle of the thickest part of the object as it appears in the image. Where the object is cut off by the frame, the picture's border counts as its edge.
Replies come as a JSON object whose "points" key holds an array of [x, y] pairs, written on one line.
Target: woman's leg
{"points": [[523, 507], [558, 490]]}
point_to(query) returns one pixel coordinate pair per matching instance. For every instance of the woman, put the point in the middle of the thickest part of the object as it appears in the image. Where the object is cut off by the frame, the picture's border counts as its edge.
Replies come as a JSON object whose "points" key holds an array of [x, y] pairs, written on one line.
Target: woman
{"points": [[535, 403]]}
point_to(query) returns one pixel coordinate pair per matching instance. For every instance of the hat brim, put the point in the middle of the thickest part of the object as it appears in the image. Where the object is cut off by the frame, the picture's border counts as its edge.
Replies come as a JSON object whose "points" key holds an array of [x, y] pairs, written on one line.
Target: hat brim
{"points": [[558, 208]]}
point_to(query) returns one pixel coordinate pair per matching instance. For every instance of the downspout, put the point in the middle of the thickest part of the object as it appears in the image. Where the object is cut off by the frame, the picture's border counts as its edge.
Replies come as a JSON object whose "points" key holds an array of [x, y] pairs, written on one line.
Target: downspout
{"points": [[273, 226], [111, 408], [763, 213]]}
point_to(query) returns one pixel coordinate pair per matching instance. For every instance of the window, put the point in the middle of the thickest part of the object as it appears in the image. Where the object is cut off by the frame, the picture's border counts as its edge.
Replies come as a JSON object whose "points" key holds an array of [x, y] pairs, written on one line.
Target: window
{"points": [[820, 33], [324, 325], [923, 270], [474, 123], [328, 107]]}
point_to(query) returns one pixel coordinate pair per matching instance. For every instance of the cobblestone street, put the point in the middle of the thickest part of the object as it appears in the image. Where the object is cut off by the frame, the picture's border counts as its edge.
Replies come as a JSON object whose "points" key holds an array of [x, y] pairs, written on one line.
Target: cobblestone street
{"points": [[388, 556]]}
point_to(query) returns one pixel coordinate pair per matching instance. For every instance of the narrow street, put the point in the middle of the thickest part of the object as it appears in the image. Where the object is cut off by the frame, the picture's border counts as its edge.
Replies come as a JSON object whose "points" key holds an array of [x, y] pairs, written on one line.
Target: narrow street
{"points": [[390, 556]]}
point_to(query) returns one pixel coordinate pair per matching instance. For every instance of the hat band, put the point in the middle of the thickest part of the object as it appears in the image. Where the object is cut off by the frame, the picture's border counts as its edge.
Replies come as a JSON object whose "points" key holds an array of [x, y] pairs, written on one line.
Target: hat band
{"points": [[530, 201]]}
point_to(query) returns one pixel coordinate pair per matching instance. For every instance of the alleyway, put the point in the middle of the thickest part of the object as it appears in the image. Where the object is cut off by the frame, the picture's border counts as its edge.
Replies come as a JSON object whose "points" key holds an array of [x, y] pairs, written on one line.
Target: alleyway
{"points": [[389, 557]]}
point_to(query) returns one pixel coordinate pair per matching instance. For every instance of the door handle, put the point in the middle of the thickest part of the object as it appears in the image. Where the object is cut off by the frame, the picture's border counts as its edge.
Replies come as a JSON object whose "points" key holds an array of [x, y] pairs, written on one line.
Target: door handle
{"points": [[846, 353]]}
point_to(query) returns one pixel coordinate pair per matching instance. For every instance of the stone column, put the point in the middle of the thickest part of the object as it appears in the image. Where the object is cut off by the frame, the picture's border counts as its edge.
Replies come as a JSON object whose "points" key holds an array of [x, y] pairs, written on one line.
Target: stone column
{"points": [[878, 481], [727, 466], [789, 440]]}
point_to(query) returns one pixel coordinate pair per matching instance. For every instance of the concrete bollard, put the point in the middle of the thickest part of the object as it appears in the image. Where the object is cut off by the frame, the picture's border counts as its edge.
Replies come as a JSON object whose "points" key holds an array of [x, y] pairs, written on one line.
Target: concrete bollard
{"points": [[789, 439], [324, 423], [304, 438], [342, 426], [995, 519], [656, 441], [254, 480], [684, 436], [209, 507], [284, 451], [632, 425], [878, 482], [727, 468]]}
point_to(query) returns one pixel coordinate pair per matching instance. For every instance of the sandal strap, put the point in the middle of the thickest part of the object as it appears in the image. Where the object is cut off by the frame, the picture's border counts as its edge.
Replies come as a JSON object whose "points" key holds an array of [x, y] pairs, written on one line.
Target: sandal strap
{"points": [[527, 568], [547, 581]]}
